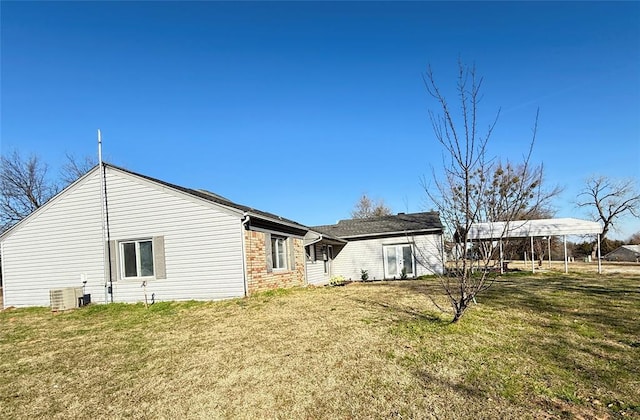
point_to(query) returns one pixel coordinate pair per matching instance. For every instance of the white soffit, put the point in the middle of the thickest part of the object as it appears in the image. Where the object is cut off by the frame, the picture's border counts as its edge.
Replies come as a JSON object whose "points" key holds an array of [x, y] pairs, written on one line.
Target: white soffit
{"points": [[528, 228]]}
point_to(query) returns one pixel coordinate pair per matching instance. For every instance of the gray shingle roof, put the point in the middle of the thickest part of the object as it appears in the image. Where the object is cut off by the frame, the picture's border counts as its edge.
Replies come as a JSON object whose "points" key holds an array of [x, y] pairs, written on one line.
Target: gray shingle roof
{"points": [[635, 249], [384, 225]]}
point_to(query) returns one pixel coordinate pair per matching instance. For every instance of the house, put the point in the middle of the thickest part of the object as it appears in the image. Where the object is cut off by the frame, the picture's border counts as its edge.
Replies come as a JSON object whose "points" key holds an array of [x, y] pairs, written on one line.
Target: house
{"points": [[319, 251], [387, 247], [629, 253], [141, 238], [127, 237]]}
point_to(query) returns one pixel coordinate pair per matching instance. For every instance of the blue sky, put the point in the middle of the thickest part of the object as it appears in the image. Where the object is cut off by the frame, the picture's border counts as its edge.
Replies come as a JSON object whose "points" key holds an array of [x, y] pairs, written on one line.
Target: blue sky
{"points": [[299, 108]]}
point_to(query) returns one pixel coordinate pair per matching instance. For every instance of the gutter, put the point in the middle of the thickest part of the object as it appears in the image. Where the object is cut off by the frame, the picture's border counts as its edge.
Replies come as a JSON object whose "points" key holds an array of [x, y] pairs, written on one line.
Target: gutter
{"points": [[325, 236], [314, 241], [279, 221], [243, 227]]}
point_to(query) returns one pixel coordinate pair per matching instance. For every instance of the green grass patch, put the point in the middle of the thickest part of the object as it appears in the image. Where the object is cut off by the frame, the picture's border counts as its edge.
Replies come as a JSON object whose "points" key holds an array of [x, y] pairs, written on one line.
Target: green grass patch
{"points": [[567, 339]]}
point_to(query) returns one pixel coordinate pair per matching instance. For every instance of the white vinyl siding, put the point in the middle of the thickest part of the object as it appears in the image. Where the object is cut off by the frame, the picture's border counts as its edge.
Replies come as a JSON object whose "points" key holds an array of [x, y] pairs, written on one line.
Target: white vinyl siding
{"points": [[368, 254], [202, 245], [57, 247], [315, 268], [63, 243]]}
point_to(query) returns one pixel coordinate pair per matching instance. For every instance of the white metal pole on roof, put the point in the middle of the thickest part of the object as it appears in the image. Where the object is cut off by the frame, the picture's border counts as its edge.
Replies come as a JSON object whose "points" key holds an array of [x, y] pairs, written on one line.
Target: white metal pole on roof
{"points": [[566, 265], [99, 147], [105, 242], [599, 261], [533, 257], [243, 228], [105, 224]]}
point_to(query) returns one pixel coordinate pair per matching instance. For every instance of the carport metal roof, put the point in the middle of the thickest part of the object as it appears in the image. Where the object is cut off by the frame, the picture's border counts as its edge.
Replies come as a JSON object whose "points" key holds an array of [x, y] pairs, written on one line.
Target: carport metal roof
{"points": [[533, 228], [536, 228]]}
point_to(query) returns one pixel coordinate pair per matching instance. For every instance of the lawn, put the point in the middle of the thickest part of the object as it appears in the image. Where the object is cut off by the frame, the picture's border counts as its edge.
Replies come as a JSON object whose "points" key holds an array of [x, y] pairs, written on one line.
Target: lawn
{"points": [[549, 346]]}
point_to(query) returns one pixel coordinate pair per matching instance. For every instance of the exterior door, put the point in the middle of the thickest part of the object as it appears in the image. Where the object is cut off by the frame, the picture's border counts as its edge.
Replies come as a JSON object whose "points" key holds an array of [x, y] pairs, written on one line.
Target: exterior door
{"points": [[396, 259]]}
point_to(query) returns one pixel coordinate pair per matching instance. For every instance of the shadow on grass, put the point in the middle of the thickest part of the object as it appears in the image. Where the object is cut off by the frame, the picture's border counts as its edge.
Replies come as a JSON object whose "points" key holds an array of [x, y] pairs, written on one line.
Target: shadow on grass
{"points": [[397, 309], [565, 338], [615, 305], [430, 380], [609, 302]]}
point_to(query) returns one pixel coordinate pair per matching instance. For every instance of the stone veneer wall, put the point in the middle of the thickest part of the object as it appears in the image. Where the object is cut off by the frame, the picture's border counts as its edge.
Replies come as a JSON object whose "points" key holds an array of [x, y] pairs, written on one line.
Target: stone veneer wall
{"points": [[258, 278]]}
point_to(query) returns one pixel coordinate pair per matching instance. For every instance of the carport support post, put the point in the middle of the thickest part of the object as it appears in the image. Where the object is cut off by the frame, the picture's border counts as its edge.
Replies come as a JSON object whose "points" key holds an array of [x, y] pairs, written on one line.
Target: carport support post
{"points": [[599, 262], [442, 254], [566, 266], [501, 259], [549, 249], [533, 258]]}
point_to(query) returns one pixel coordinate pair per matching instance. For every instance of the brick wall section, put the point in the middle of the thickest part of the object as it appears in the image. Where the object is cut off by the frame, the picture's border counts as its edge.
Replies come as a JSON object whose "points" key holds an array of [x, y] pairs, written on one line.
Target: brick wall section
{"points": [[258, 278]]}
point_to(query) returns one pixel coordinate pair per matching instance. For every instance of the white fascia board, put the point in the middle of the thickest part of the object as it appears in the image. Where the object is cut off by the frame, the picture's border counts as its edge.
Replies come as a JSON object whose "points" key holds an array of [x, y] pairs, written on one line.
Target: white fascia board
{"points": [[402, 232]]}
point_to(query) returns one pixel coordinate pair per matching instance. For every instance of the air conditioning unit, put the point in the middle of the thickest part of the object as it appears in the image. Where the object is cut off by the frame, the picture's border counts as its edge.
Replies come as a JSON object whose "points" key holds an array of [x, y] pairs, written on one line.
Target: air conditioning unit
{"points": [[63, 299]]}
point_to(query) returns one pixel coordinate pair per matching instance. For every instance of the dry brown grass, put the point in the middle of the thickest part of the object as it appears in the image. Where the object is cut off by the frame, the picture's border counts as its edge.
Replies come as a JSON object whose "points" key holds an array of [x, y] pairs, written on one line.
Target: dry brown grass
{"points": [[608, 267], [376, 350]]}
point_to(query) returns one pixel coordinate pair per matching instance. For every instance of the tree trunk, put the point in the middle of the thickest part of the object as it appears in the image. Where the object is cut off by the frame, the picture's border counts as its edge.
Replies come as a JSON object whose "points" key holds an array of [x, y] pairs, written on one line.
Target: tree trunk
{"points": [[458, 310]]}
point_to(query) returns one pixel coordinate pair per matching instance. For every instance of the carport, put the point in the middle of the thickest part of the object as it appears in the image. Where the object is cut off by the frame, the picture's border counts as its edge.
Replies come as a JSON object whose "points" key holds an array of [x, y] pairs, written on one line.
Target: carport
{"points": [[497, 231]]}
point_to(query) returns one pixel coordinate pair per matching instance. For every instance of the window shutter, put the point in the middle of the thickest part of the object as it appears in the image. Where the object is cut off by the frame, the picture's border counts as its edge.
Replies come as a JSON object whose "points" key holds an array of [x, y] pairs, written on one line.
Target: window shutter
{"points": [[267, 251], [292, 254], [159, 266], [112, 256]]}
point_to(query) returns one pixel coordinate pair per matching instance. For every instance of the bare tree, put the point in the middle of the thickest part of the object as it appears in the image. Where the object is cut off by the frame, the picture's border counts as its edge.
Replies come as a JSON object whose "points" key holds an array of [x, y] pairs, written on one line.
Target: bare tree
{"points": [[634, 239], [517, 247], [476, 188], [75, 168], [610, 199], [24, 187], [365, 208]]}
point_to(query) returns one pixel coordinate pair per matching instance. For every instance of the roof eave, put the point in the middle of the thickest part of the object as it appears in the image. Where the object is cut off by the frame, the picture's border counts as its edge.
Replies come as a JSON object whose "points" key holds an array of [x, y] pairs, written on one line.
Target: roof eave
{"points": [[276, 220], [395, 233]]}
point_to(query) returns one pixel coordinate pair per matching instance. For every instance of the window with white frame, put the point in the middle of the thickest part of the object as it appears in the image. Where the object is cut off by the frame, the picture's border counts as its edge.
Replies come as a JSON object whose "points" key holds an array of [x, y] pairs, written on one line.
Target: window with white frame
{"points": [[311, 252], [279, 252], [137, 258]]}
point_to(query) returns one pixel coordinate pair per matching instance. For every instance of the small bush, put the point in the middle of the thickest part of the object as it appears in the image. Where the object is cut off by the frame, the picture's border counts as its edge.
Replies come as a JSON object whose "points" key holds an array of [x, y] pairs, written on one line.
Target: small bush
{"points": [[337, 281], [364, 275]]}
